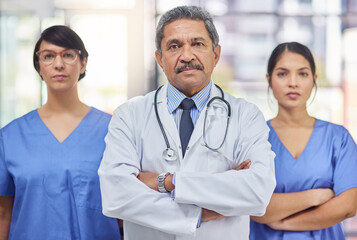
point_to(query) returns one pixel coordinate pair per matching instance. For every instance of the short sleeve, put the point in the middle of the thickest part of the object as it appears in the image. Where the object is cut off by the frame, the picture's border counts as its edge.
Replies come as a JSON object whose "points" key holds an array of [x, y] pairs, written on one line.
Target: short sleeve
{"points": [[6, 183], [345, 164]]}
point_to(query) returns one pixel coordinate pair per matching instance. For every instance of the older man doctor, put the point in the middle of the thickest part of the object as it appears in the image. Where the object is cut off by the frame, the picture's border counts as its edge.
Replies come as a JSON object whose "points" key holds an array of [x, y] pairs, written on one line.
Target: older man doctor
{"points": [[175, 168]]}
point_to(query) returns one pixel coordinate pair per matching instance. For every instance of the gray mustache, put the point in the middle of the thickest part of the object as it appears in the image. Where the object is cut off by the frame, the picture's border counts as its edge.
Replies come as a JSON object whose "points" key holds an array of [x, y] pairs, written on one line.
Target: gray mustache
{"points": [[188, 65]]}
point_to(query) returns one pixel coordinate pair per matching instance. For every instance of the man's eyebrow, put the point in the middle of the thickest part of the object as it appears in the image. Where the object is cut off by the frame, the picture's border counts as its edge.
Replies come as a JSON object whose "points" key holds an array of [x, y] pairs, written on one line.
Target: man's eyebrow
{"points": [[198, 39], [171, 41], [177, 41]]}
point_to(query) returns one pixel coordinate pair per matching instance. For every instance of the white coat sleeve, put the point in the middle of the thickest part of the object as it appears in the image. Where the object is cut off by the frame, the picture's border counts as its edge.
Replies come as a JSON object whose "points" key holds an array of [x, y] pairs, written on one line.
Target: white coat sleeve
{"points": [[233, 193], [126, 197]]}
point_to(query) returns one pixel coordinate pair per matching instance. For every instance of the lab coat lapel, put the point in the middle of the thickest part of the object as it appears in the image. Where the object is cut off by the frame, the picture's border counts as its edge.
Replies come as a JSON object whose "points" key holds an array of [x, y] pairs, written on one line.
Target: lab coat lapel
{"points": [[168, 121], [198, 130]]}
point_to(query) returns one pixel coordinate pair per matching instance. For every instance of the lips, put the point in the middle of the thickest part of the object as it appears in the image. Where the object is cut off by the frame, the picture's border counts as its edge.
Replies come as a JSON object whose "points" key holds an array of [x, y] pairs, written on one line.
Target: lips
{"points": [[293, 95], [59, 77], [188, 70]]}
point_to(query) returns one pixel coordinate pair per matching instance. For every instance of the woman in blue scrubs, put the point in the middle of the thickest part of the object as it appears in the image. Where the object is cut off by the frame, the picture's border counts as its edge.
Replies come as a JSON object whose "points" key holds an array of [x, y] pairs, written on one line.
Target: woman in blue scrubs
{"points": [[49, 157], [316, 161]]}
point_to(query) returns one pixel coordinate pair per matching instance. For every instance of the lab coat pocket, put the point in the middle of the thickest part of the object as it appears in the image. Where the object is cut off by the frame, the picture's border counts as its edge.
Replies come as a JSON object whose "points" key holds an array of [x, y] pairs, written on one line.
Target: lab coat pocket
{"points": [[218, 162], [215, 127]]}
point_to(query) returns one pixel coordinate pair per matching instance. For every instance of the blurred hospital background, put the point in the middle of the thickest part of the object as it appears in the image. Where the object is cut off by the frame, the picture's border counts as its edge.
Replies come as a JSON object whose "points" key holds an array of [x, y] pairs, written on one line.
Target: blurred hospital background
{"points": [[119, 36]]}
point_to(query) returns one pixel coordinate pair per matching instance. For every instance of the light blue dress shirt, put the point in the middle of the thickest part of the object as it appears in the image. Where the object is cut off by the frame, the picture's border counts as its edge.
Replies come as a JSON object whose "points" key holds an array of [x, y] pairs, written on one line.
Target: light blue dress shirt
{"points": [[175, 97]]}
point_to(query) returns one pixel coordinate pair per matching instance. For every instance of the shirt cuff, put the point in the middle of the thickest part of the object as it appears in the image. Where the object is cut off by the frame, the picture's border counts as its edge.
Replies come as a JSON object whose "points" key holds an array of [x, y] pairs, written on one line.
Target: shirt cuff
{"points": [[173, 197], [199, 220], [173, 182]]}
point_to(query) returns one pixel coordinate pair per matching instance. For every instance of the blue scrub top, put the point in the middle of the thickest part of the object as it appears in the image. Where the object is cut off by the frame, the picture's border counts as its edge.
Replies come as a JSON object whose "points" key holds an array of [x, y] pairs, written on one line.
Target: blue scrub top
{"points": [[329, 160], [56, 185]]}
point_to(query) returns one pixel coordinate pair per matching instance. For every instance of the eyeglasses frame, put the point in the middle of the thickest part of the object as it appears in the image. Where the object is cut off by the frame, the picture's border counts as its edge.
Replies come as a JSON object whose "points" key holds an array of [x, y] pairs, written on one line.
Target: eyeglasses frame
{"points": [[56, 54]]}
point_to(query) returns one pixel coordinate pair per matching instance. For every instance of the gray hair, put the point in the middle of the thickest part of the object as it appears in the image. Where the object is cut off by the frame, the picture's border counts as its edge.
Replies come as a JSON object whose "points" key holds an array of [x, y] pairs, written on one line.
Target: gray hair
{"points": [[186, 12]]}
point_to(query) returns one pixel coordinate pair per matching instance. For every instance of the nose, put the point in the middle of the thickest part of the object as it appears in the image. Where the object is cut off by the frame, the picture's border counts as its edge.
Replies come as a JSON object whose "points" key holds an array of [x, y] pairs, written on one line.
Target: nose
{"points": [[293, 81], [187, 54], [58, 62]]}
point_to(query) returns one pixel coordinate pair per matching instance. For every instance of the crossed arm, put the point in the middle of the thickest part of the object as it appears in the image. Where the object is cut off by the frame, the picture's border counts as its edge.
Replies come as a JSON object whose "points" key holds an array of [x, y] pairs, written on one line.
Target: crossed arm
{"points": [[244, 193], [150, 180], [6, 204], [309, 210]]}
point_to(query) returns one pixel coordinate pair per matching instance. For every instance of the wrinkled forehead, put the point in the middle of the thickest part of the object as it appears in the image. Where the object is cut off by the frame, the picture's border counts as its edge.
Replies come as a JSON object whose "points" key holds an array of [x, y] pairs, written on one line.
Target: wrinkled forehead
{"points": [[186, 29]]}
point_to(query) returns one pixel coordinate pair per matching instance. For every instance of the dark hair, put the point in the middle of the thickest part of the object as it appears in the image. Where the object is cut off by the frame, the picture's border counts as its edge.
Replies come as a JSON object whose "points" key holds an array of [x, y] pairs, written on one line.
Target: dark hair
{"points": [[294, 47], [61, 36], [186, 12]]}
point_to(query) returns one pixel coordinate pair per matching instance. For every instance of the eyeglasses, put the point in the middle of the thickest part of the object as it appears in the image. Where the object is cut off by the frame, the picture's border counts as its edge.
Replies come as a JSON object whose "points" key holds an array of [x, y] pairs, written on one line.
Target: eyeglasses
{"points": [[68, 56]]}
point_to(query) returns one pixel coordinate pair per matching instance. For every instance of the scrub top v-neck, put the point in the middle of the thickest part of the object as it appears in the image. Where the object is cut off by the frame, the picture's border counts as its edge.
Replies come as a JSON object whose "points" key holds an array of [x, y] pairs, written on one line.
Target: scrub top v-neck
{"points": [[329, 160], [55, 184], [286, 151], [52, 138]]}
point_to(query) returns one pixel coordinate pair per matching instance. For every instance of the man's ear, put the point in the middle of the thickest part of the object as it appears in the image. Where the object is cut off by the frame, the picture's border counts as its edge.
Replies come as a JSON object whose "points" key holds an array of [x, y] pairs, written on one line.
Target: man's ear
{"points": [[158, 57], [217, 54]]}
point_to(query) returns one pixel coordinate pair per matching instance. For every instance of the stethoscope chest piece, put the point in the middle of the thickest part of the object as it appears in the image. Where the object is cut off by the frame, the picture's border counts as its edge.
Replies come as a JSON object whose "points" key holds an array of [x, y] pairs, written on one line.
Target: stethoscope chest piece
{"points": [[169, 154]]}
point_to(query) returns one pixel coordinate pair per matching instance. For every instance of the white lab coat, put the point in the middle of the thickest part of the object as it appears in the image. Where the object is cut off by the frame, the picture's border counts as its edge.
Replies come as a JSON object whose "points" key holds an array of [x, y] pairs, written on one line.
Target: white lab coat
{"points": [[204, 179]]}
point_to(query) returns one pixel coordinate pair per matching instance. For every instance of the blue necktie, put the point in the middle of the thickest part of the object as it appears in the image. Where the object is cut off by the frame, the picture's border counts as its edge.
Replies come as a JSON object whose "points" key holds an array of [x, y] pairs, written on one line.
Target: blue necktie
{"points": [[186, 125]]}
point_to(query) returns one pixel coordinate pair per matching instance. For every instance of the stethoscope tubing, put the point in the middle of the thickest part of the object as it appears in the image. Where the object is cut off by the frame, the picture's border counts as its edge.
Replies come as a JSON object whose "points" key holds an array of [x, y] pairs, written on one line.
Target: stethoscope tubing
{"points": [[222, 99], [159, 120], [204, 137]]}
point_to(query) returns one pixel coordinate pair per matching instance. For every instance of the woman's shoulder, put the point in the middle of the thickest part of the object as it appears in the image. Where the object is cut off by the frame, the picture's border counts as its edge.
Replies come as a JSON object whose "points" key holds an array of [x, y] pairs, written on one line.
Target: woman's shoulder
{"points": [[336, 132], [100, 113], [330, 127], [21, 122], [99, 116]]}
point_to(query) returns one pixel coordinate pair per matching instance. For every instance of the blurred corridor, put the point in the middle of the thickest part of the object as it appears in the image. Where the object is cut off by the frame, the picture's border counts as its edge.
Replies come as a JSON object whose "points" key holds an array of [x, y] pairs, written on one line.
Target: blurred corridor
{"points": [[119, 36]]}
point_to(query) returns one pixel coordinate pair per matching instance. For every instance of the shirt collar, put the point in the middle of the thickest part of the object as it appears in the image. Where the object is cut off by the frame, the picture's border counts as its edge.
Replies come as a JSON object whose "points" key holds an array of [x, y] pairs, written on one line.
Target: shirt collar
{"points": [[175, 97]]}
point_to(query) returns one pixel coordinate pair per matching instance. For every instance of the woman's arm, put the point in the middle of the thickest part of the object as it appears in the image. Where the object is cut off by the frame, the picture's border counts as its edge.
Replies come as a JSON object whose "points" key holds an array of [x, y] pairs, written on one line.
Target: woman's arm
{"points": [[326, 215], [6, 204], [283, 205]]}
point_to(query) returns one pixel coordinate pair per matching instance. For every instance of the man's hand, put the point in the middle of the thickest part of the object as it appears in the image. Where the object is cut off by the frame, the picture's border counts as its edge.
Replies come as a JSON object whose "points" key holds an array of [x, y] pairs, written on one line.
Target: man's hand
{"points": [[244, 165], [208, 215], [149, 179]]}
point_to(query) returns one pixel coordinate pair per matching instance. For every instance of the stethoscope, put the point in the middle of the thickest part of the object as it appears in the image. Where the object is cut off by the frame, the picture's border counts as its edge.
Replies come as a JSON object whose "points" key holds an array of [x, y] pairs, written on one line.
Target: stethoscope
{"points": [[170, 154]]}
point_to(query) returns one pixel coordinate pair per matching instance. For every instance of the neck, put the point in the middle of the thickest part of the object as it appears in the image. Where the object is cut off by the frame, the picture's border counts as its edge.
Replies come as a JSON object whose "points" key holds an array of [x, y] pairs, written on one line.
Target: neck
{"points": [[63, 102], [294, 118]]}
